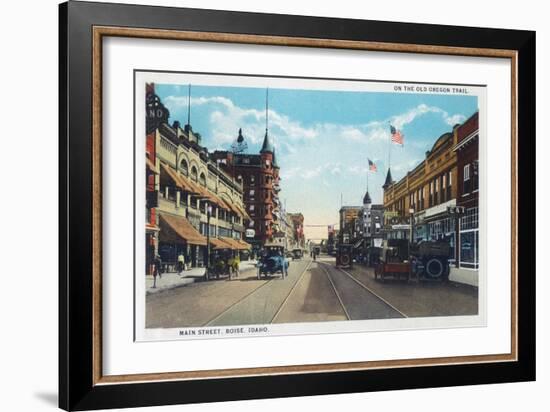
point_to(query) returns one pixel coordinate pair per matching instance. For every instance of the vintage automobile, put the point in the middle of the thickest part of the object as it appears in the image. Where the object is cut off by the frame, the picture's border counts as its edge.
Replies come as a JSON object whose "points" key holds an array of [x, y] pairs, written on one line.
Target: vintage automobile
{"points": [[344, 256], [273, 261], [297, 254], [426, 260]]}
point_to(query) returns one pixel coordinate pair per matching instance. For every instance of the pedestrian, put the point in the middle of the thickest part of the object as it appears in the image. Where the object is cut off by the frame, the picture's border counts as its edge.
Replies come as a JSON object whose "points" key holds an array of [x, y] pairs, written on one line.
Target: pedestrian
{"points": [[158, 267], [181, 263], [156, 270]]}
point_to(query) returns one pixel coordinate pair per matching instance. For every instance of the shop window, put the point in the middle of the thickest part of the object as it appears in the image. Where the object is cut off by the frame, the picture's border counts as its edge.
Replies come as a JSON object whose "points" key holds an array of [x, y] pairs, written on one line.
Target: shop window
{"points": [[468, 249]]}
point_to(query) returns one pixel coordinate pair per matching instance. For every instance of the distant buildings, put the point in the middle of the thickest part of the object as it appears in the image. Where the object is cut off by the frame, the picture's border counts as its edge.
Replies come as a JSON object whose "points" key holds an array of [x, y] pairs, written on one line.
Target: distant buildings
{"points": [[371, 221], [298, 237], [349, 224]]}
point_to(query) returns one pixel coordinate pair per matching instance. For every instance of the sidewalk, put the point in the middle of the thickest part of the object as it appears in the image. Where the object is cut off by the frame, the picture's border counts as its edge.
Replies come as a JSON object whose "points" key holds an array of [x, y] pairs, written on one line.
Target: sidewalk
{"points": [[173, 280]]}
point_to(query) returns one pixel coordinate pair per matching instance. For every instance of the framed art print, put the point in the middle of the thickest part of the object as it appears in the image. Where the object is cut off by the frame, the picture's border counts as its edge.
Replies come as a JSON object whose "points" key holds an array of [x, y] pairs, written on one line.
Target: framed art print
{"points": [[259, 205]]}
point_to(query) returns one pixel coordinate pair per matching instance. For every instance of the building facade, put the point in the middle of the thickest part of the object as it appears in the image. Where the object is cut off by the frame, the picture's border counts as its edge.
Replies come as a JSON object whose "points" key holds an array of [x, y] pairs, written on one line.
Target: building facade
{"points": [[151, 184], [371, 221], [259, 176], [350, 227], [467, 151], [197, 199], [298, 237], [439, 198], [424, 195]]}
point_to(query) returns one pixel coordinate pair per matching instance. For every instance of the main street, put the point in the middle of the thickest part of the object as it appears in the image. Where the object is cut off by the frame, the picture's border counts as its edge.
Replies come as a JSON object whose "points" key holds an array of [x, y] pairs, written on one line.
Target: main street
{"points": [[313, 291]]}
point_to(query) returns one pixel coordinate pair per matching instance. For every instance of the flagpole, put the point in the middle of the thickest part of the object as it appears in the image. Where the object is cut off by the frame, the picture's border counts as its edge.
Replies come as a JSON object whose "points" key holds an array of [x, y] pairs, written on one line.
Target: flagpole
{"points": [[389, 151], [368, 169]]}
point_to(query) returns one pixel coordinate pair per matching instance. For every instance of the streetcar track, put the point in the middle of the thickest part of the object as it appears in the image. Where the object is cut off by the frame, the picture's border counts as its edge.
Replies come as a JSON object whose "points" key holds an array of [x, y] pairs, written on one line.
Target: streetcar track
{"points": [[229, 308], [336, 292], [371, 291], [219, 315], [291, 290]]}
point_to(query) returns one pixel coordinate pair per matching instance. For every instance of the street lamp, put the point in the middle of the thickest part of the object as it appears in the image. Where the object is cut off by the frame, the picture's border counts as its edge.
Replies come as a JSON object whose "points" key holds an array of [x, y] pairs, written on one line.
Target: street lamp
{"points": [[411, 224], [208, 215]]}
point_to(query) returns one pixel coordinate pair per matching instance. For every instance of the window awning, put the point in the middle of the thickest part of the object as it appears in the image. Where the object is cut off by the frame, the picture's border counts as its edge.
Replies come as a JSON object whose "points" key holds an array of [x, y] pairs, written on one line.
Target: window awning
{"points": [[177, 229]]}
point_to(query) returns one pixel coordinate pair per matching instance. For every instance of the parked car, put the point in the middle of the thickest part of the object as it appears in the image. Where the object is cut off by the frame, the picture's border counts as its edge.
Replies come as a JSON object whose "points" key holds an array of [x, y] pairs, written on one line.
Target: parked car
{"points": [[273, 261]]}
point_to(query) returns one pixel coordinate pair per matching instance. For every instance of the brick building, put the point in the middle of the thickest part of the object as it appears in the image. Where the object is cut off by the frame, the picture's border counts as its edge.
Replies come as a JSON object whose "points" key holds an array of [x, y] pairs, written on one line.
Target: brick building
{"points": [[428, 190], [154, 110], [259, 174], [467, 151], [445, 179]]}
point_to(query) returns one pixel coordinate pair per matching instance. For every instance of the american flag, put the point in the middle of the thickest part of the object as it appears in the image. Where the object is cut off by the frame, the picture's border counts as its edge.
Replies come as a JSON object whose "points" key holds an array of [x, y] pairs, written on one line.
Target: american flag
{"points": [[396, 135], [372, 166]]}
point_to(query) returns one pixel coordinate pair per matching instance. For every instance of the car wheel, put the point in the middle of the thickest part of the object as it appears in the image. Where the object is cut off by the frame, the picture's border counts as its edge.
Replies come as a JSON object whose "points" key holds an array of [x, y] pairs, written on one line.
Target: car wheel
{"points": [[434, 268]]}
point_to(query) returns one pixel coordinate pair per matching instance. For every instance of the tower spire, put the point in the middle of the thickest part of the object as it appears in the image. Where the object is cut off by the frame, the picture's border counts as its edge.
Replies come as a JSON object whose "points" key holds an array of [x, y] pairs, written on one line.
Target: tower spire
{"points": [[266, 110], [267, 146], [389, 180]]}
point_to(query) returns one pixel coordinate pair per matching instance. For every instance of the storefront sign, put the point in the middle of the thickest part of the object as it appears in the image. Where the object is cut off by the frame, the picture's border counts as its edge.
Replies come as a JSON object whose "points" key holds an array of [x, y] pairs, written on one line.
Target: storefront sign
{"points": [[250, 233], [155, 112]]}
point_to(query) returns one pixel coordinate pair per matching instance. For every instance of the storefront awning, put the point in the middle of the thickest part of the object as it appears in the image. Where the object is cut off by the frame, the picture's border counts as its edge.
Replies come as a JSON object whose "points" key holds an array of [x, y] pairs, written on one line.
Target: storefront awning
{"points": [[177, 179], [236, 245], [219, 243], [244, 245], [149, 163], [243, 212], [230, 206], [177, 229]]}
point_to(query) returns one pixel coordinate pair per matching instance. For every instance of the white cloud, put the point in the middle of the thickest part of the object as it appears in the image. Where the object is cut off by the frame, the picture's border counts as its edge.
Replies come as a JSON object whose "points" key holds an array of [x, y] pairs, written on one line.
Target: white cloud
{"points": [[226, 118]]}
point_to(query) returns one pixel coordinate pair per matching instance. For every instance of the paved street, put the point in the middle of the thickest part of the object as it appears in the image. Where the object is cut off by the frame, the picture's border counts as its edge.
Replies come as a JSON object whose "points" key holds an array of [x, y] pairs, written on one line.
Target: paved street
{"points": [[313, 291]]}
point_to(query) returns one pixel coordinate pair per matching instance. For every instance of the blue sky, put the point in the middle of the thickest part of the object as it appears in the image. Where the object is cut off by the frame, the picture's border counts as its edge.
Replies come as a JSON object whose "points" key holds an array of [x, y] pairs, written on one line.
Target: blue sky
{"points": [[322, 138]]}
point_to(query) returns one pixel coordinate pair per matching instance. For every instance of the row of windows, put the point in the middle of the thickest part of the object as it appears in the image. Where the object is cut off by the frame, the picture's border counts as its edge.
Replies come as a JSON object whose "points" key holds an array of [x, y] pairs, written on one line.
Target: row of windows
{"points": [[438, 190], [170, 193]]}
